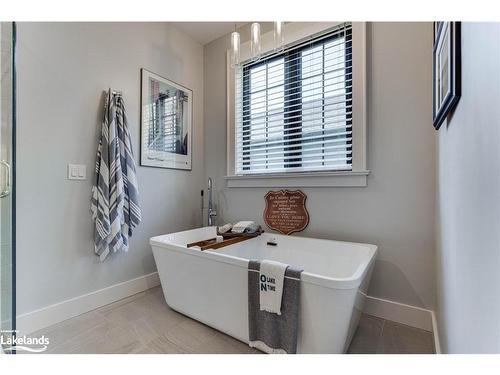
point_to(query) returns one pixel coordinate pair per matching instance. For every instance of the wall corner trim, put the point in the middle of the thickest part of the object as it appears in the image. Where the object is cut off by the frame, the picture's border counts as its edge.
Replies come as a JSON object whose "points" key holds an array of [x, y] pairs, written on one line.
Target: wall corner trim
{"points": [[435, 331], [56, 313]]}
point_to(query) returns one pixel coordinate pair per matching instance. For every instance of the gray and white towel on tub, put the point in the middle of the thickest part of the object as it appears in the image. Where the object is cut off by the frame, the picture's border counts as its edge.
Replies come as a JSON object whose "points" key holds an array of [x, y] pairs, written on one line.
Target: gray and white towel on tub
{"points": [[115, 197], [269, 332]]}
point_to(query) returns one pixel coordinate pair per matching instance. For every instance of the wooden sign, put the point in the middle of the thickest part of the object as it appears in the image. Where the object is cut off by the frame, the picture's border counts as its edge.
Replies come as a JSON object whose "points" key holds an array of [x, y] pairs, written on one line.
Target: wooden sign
{"points": [[286, 211]]}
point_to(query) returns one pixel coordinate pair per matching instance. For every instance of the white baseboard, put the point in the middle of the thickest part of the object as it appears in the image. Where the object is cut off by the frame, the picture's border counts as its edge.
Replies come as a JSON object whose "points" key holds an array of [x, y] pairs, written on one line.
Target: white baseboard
{"points": [[47, 316], [399, 312]]}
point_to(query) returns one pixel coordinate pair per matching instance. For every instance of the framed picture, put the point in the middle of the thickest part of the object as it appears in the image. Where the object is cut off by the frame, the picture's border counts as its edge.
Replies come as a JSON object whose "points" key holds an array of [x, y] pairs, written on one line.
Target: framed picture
{"points": [[437, 28], [446, 70], [166, 117]]}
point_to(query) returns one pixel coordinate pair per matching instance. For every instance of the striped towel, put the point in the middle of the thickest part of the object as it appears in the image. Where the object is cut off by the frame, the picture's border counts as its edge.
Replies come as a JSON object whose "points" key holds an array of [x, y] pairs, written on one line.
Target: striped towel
{"points": [[114, 204]]}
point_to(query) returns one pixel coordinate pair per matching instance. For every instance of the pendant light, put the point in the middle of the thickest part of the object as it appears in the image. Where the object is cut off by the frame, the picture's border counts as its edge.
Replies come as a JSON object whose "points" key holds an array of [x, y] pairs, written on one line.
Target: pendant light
{"points": [[279, 36], [235, 48], [255, 46]]}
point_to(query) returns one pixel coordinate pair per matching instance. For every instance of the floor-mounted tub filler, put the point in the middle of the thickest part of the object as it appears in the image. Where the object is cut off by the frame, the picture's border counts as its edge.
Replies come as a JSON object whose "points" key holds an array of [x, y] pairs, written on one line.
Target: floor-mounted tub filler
{"points": [[211, 286]]}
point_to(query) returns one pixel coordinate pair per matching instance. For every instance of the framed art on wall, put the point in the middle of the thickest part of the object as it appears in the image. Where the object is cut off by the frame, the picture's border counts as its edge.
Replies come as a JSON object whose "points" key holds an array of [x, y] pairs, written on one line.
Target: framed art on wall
{"points": [[166, 117], [446, 70], [437, 28]]}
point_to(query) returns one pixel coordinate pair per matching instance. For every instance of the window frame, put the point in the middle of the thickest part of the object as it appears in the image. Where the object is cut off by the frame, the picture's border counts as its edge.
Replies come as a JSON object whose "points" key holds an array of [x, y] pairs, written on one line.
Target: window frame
{"points": [[298, 32], [292, 67]]}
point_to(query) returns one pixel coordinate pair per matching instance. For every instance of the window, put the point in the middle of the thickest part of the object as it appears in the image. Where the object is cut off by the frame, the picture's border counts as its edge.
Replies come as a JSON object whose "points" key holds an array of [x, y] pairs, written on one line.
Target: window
{"points": [[293, 110]]}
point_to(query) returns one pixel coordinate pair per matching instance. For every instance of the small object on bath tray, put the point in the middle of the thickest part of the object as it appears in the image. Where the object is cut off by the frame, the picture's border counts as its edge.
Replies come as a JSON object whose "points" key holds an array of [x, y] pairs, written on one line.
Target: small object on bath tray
{"points": [[253, 228], [225, 228], [240, 226], [258, 232]]}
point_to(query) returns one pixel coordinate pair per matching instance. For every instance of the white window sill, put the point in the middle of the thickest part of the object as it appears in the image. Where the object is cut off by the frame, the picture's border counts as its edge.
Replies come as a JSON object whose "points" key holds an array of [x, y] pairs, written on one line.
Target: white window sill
{"points": [[297, 180]]}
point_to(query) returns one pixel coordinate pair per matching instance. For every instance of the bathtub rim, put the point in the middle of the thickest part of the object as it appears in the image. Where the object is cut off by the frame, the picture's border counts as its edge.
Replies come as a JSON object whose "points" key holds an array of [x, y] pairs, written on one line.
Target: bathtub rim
{"points": [[351, 282]]}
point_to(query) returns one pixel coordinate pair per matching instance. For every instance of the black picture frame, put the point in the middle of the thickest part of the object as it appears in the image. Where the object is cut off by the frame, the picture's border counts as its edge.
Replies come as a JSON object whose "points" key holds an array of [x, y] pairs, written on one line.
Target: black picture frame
{"points": [[437, 29], [447, 39]]}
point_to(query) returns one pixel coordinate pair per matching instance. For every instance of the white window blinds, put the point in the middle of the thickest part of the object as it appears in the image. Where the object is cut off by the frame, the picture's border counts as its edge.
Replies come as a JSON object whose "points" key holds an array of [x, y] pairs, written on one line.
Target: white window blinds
{"points": [[294, 108]]}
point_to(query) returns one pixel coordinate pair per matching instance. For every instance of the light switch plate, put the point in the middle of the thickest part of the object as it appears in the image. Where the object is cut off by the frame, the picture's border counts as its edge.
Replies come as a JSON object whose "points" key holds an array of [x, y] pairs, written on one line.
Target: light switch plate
{"points": [[77, 172]]}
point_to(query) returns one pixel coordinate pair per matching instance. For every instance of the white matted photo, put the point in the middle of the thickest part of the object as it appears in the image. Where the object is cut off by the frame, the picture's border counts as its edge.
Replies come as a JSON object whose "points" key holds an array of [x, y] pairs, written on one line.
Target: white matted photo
{"points": [[166, 122]]}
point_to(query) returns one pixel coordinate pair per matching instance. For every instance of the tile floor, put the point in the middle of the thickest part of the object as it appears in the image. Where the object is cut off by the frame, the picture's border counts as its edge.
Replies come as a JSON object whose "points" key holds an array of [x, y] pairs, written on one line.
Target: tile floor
{"points": [[143, 323], [379, 336]]}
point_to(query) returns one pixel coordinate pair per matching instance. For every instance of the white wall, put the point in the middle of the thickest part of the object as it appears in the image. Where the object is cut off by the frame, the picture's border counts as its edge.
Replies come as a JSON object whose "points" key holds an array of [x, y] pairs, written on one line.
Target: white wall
{"points": [[468, 256], [396, 209], [62, 70]]}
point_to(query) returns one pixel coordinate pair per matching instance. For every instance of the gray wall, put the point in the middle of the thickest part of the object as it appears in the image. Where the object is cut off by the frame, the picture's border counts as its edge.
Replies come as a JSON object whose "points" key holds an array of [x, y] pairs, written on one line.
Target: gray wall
{"points": [[468, 255], [6, 264], [396, 210], [63, 69]]}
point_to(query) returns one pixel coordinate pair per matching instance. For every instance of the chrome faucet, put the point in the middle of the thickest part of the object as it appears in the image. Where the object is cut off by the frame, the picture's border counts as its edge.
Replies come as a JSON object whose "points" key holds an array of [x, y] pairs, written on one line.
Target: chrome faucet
{"points": [[211, 213]]}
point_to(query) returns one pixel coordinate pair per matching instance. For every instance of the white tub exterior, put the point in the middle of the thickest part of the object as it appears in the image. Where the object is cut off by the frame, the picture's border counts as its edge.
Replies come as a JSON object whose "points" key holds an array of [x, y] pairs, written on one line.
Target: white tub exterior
{"points": [[211, 286]]}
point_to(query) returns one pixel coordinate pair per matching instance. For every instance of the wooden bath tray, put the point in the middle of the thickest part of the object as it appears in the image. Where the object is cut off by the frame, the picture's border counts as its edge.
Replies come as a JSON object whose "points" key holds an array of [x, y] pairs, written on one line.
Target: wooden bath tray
{"points": [[212, 243]]}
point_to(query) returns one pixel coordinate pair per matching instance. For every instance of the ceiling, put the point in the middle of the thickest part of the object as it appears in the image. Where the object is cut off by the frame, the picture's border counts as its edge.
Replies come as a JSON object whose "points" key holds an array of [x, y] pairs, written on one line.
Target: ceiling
{"points": [[205, 32]]}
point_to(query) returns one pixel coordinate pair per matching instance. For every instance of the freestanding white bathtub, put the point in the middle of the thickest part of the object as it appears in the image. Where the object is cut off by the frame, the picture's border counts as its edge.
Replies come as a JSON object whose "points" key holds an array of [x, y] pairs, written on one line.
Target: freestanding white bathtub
{"points": [[211, 286]]}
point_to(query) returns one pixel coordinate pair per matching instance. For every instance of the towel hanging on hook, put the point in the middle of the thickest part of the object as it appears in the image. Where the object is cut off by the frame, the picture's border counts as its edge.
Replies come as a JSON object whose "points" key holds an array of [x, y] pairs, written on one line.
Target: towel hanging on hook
{"points": [[110, 93], [115, 199]]}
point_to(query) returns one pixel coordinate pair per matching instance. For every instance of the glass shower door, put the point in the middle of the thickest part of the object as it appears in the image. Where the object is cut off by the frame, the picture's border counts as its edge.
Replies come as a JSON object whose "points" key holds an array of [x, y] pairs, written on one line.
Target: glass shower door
{"points": [[7, 259]]}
